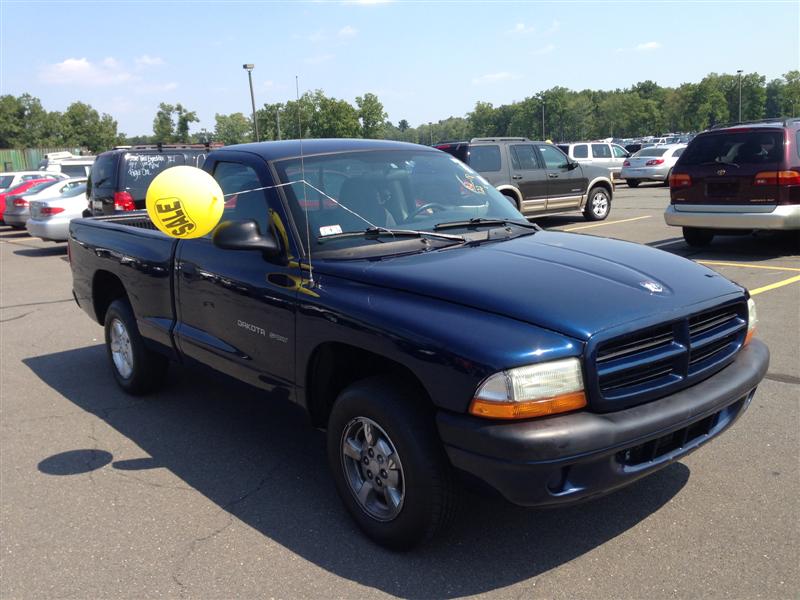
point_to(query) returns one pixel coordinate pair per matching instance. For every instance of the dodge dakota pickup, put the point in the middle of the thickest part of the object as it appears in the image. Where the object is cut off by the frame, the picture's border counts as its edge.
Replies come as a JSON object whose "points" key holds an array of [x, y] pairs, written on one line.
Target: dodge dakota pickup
{"points": [[435, 334]]}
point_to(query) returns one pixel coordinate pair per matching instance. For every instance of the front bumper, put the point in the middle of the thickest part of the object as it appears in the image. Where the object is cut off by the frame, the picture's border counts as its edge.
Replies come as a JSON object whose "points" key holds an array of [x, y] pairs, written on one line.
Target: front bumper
{"points": [[569, 458], [785, 216], [51, 229]]}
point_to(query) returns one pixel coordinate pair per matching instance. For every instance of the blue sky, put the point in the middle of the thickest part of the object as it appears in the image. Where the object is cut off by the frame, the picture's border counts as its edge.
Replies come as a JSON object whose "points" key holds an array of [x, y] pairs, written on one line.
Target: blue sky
{"points": [[425, 60]]}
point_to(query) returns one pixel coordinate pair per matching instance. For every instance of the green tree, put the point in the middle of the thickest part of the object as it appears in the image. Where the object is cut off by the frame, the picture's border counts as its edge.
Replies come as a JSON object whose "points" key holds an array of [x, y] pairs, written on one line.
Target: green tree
{"points": [[185, 117], [371, 115], [163, 123], [402, 125], [83, 126], [232, 129]]}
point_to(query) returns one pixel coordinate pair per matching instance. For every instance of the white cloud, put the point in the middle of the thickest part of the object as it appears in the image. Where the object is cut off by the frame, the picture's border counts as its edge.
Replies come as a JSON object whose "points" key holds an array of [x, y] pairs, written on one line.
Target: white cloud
{"points": [[80, 71], [494, 78], [555, 26], [153, 88], [148, 61], [347, 31], [544, 50], [521, 28], [648, 46], [318, 59]]}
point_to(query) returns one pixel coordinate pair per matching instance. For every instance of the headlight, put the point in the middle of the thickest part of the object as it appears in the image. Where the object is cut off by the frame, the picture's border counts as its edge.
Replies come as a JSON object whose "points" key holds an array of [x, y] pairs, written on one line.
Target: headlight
{"points": [[752, 319], [532, 391]]}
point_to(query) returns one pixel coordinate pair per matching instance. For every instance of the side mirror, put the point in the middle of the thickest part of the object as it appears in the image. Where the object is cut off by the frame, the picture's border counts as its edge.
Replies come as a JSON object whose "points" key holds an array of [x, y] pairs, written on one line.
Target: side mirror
{"points": [[571, 166], [244, 235]]}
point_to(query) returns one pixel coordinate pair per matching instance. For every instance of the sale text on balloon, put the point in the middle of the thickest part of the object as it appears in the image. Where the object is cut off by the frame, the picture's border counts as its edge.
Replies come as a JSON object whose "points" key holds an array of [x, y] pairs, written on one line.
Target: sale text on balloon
{"points": [[172, 216]]}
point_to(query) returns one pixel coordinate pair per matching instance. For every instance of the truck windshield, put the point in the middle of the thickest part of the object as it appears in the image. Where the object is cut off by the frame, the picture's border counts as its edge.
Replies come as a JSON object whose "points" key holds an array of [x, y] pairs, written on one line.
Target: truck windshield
{"points": [[393, 189]]}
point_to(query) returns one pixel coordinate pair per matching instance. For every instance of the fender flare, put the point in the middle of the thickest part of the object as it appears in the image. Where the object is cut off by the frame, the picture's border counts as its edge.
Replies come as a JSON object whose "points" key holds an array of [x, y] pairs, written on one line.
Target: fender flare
{"points": [[604, 182], [514, 190]]}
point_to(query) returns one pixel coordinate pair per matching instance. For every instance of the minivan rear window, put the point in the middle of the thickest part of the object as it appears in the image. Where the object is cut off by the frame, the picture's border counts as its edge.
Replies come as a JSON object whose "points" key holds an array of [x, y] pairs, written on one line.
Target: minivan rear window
{"points": [[138, 170], [738, 147]]}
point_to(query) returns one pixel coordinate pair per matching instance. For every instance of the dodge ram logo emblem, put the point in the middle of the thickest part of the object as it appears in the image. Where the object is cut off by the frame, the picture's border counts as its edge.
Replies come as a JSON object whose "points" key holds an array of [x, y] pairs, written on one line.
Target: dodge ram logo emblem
{"points": [[721, 172], [652, 286]]}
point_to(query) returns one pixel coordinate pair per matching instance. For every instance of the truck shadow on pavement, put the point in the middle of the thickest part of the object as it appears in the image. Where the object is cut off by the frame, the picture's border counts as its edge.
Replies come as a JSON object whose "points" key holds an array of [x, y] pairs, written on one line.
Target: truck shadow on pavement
{"points": [[260, 461]]}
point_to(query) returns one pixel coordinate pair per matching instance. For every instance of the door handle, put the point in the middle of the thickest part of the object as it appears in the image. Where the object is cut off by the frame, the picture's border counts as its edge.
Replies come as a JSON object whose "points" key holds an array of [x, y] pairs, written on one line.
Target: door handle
{"points": [[553, 175], [516, 177]]}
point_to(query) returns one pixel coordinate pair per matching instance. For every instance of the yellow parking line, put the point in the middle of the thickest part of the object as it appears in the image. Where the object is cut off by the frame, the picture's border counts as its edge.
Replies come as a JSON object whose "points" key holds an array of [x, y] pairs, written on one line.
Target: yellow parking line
{"points": [[606, 223], [745, 265], [777, 284]]}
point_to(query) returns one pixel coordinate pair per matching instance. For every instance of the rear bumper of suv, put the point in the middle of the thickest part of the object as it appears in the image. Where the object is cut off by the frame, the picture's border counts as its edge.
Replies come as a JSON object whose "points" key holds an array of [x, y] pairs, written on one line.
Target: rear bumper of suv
{"points": [[565, 459], [715, 217]]}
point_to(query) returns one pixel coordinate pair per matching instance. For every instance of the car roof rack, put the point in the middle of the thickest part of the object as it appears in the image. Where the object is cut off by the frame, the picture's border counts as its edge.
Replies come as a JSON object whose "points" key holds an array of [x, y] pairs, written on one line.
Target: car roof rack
{"points": [[500, 139], [162, 146], [785, 121]]}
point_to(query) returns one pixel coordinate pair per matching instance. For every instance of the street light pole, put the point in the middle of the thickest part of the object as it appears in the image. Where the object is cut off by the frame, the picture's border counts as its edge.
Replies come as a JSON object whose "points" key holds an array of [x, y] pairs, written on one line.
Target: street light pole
{"points": [[249, 68], [739, 73]]}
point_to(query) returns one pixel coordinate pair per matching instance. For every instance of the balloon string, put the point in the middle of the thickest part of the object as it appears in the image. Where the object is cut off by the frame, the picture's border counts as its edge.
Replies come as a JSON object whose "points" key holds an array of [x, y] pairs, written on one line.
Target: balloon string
{"points": [[316, 189]]}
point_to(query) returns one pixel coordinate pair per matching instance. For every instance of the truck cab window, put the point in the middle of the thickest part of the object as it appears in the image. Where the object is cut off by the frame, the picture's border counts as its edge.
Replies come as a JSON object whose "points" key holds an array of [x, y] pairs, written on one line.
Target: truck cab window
{"points": [[236, 180]]}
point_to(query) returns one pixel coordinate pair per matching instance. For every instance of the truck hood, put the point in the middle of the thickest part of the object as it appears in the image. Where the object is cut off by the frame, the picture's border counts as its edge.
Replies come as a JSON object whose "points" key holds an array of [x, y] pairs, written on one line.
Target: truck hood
{"points": [[575, 284]]}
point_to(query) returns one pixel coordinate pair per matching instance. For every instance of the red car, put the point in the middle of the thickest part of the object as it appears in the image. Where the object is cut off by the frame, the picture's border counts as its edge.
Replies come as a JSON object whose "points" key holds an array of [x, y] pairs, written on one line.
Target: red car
{"points": [[19, 189]]}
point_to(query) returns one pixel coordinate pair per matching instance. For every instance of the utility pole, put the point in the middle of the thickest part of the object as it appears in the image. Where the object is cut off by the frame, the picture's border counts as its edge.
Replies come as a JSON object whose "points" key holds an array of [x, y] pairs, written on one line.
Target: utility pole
{"points": [[739, 73], [543, 136], [249, 68], [278, 121]]}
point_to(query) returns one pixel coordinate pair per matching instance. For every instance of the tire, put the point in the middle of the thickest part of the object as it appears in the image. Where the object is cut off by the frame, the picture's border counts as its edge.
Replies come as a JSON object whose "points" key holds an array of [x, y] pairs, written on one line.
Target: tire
{"points": [[598, 205], [697, 237], [632, 183], [414, 499], [137, 369], [513, 200], [666, 181]]}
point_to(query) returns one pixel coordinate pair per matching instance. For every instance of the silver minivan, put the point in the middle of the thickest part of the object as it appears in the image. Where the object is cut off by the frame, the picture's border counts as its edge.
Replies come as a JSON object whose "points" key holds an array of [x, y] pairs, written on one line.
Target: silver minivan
{"points": [[601, 154]]}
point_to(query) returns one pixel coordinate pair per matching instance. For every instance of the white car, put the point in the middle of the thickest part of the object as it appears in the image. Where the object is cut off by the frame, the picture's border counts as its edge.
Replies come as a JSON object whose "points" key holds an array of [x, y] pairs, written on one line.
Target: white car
{"points": [[50, 217], [14, 178], [651, 164]]}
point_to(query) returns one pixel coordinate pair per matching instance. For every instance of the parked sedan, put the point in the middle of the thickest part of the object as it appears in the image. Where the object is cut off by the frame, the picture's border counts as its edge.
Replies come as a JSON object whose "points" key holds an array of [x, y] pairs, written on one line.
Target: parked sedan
{"points": [[19, 189], [651, 164], [50, 218], [14, 178], [17, 210]]}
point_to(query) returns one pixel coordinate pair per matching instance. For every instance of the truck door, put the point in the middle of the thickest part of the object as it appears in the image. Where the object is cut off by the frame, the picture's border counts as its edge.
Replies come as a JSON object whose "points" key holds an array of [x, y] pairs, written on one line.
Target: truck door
{"points": [[236, 309], [529, 176], [565, 186]]}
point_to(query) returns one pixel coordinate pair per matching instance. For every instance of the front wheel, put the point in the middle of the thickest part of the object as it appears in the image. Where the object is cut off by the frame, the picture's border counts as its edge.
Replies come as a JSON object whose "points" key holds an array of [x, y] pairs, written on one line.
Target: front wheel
{"points": [[598, 206], [697, 237], [136, 368], [388, 464]]}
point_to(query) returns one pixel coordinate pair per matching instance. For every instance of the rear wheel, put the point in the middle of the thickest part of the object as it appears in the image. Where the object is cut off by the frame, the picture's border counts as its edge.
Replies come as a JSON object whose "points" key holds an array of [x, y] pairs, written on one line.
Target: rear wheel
{"points": [[598, 206], [388, 464], [632, 183], [666, 181], [697, 237], [136, 368]]}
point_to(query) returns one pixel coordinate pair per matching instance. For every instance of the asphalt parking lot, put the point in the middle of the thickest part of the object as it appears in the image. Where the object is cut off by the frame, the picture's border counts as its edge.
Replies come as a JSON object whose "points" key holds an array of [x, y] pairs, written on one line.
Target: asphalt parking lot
{"points": [[204, 490]]}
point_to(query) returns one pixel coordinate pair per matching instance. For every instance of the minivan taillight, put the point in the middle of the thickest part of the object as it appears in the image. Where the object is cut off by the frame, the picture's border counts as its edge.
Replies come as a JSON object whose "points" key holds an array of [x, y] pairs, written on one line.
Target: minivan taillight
{"points": [[777, 178], [124, 201], [654, 162], [679, 180]]}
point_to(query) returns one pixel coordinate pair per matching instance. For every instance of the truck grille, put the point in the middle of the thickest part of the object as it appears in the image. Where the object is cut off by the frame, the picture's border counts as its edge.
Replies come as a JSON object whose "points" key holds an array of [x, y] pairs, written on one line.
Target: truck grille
{"points": [[659, 360]]}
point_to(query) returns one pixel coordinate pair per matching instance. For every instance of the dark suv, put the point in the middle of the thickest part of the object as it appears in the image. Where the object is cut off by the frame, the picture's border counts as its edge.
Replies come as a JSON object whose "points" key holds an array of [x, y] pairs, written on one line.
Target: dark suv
{"points": [[119, 178], [537, 177], [737, 178]]}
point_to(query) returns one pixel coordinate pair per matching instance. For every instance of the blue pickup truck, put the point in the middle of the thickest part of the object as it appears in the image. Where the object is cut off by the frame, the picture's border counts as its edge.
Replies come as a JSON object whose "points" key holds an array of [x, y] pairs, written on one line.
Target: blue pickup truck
{"points": [[436, 334]]}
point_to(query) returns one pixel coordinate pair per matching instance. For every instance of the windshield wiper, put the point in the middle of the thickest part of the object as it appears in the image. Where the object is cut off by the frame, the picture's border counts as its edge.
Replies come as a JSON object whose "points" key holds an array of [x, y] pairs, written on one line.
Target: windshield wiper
{"points": [[719, 162], [480, 222], [373, 233]]}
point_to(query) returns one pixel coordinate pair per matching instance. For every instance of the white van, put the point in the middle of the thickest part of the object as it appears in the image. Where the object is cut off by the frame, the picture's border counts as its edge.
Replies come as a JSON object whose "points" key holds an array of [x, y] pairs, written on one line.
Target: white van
{"points": [[72, 165]]}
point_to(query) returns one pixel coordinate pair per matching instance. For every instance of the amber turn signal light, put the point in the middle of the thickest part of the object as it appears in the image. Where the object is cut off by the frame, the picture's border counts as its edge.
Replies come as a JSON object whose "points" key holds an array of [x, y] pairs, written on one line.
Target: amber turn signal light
{"points": [[527, 409]]}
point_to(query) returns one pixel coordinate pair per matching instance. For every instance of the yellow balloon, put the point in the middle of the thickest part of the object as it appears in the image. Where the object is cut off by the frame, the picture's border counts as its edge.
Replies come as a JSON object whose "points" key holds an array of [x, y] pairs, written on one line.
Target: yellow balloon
{"points": [[184, 202]]}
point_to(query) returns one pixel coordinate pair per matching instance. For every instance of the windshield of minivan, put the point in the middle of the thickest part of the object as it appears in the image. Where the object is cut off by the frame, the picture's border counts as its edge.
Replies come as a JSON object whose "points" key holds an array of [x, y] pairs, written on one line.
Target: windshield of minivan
{"points": [[391, 189], [741, 147]]}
